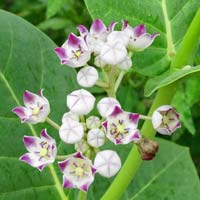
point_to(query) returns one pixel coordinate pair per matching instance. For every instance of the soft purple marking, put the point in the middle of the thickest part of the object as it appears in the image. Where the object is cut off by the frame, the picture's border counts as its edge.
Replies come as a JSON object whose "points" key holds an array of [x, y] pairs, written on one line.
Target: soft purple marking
{"points": [[78, 155], [19, 111], [60, 52], [105, 125], [117, 110], [28, 97], [62, 165], [139, 30], [82, 29], [98, 26], [29, 141], [93, 170], [67, 183], [44, 134], [134, 117], [26, 158], [73, 40], [85, 187]]}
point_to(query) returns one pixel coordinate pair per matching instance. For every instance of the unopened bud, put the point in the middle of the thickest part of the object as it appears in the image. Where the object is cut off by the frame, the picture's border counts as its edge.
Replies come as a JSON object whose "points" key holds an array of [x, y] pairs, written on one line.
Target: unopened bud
{"points": [[147, 148]]}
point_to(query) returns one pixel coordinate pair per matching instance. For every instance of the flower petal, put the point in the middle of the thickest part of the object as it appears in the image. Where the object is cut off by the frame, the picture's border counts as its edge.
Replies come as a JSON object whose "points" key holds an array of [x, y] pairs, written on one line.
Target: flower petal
{"points": [[96, 137], [31, 143], [106, 106], [21, 112], [97, 27]]}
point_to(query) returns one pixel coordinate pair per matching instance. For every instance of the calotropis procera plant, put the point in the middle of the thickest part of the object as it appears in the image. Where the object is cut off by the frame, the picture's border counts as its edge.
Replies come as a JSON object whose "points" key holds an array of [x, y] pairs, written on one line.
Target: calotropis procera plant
{"points": [[102, 55]]}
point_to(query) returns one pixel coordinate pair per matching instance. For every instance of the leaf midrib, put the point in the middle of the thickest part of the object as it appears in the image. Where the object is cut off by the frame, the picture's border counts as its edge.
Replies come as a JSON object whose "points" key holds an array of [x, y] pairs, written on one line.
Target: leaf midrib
{"points": [[51, 168]]}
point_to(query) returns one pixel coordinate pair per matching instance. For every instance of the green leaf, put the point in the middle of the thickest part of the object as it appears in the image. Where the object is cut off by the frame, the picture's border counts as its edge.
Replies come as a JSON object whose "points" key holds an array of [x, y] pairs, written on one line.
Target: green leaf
{"points": [[163, 16], [171, 175], [167, 78], [184, 109], [53, 6], [28, 62]]}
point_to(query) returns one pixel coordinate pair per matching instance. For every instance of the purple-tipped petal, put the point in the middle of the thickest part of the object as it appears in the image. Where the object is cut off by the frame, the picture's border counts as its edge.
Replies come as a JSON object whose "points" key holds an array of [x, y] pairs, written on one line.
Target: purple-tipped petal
{"points": [[94, 170], [97, 26], [31, 142], [136, 136], [139, 30], [26, 158], [20, 112], [61, 53], [78, 155], [28, 97], [117, 110], [73, 40], [124, 24], [154, 35], [62, 165], [67, 183], [105, 125], [82, 29], [134, 117], [41, 167], [111, 27], [44, 135], [85, 187]]}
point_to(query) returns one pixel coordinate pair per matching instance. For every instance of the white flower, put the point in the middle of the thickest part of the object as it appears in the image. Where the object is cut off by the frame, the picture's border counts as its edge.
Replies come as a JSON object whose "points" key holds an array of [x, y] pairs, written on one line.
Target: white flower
{"points": [[107, 163], [165, 120], [96, 137], [71, 131], [87, 76], [80, 102], [78, 172]]}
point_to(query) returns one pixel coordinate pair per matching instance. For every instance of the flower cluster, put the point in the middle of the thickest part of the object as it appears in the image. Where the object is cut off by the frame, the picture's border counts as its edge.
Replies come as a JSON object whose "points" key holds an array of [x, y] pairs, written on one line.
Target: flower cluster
{"points": [[102, 47], [111, 50]]}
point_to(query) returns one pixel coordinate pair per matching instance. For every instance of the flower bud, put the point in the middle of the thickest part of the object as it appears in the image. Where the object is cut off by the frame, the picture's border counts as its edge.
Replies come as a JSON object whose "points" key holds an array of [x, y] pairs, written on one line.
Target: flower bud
{"points": [[107, 163], [93, 122], [165, 120], [80, 102], [81, 146], [87, 76], [95, 137], [147, 148]]}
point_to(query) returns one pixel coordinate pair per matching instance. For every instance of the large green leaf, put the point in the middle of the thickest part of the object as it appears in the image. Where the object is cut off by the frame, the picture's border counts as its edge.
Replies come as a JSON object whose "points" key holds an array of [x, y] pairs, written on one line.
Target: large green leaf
{"points": [[28, 62], [167, 17], [167, 78], [171, 175]]}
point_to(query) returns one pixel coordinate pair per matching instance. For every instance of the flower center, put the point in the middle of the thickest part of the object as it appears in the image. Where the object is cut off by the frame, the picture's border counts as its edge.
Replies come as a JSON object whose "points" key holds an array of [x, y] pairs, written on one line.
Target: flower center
{"points": [[43, 152], [77, 54], [35, 111], [166, 119], [121, 128], [79, 171]]}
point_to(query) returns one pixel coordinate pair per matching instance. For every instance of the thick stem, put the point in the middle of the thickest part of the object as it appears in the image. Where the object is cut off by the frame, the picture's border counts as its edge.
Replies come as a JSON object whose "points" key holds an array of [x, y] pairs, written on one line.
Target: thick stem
{"points": [[52, 123], [164, 96], [145, 117]]}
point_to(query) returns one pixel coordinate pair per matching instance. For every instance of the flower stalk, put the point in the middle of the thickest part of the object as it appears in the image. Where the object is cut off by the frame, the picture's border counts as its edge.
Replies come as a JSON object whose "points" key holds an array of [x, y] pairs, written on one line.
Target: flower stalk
{"points": [[52, 123]]}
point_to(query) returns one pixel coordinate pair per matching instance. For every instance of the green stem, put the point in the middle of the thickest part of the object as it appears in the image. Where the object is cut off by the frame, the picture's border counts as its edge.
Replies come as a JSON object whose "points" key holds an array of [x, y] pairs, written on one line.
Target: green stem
{"points": [[145, 117], [119, 79], [102, 84], [52, 123], [164, 96], [82, 195]]}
